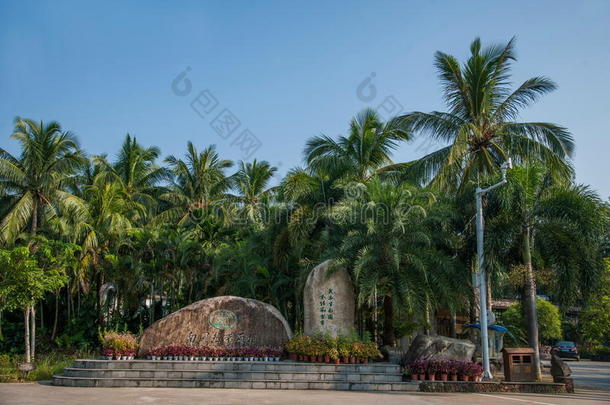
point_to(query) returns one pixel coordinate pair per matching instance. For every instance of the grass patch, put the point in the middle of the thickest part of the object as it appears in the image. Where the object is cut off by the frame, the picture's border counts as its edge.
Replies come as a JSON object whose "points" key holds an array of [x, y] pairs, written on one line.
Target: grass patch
{"points": [[47, 365]]}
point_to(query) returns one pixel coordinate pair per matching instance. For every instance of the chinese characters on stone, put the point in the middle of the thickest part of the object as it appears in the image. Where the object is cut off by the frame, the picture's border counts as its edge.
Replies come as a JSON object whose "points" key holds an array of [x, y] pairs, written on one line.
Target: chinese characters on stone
{"points": [[327, 310]]}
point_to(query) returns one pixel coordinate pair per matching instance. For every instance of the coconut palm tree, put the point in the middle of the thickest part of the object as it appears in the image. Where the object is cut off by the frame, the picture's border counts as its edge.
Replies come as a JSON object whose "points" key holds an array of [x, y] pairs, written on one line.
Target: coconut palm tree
{"points": [[199, 183], [357, 156], [135, 169], [32, 185], [251, 181], [538, 223], [396, 250], [481, 128]]}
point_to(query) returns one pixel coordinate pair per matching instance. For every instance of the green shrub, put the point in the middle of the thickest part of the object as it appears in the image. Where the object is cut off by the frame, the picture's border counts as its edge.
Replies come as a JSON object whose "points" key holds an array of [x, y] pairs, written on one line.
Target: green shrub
{"points": [[549, 323]]}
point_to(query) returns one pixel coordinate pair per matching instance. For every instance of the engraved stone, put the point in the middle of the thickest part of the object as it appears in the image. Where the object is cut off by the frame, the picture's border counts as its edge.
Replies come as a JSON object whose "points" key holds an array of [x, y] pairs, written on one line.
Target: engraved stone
{"points": [[329, 303], [219, 322]]}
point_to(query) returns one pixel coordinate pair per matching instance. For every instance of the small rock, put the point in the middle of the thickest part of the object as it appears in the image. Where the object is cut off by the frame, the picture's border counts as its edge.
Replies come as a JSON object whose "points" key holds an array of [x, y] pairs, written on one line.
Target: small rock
{"points": [[559, 368]]}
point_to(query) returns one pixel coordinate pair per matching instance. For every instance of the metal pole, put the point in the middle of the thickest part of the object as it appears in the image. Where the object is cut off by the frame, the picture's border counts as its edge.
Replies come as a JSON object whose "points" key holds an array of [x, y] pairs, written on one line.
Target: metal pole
{"points": [[482, 285]]}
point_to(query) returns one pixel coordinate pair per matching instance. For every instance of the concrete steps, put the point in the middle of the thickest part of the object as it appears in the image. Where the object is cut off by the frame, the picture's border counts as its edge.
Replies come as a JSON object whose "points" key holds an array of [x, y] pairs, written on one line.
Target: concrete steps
{"points": [[222, 374]]}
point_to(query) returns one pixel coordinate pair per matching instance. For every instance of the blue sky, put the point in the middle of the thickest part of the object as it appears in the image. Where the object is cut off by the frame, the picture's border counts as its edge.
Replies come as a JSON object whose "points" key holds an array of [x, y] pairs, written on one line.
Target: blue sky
{"points": [[286, 70]]}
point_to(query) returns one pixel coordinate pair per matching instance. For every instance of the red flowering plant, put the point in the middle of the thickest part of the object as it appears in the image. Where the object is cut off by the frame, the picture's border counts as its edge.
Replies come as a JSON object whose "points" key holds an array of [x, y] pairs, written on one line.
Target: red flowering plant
{"points": [[442, 366], [431, 367], [107, 352], [465, 368], [418, 367], [476, 370], [453, 366]]}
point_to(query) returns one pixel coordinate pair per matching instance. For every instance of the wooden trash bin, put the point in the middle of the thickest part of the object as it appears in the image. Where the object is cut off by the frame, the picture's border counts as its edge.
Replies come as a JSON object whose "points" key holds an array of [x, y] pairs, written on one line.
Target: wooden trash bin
{"points": [[519, 364]]}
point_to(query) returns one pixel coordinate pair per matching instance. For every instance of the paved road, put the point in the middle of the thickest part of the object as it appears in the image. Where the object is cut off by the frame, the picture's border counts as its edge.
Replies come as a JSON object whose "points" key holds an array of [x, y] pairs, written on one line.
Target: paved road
{"points": [[589, 374], [35, 394]]}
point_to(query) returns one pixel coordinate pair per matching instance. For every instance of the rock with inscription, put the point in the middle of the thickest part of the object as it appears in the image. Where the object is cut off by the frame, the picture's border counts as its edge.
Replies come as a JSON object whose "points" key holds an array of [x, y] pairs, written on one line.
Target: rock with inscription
{"points": [[329, 302], [219, 322]]}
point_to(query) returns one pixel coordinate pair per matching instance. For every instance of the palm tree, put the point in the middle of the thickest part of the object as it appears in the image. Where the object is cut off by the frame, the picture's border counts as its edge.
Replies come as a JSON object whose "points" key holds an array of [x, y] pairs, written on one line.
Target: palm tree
{"points": [[32, 185], [481, 128], [251, 181], [539, 223], [396, 250], [359, 155], [199, 183], [136, 171]]}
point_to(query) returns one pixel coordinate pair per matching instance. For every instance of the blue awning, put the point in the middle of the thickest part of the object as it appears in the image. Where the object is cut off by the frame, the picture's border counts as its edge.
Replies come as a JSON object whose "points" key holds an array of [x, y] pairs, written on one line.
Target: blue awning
{"points": [[497, 328]]}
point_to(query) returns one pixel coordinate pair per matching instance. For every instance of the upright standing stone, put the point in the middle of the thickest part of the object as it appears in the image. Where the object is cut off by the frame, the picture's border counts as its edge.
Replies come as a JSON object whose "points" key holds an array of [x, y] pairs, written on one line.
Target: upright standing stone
{"points": [[329, 301], [219, 322]]}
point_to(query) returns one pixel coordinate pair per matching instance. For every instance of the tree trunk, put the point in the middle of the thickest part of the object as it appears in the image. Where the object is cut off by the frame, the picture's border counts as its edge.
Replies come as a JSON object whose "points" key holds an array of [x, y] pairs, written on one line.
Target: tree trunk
{"points": [[41, 316], [529, 304], [54, 332], [389, 338], [489, 294], [34, 223], [152, 303], [453, 325], [26, 323], [33, 332]]}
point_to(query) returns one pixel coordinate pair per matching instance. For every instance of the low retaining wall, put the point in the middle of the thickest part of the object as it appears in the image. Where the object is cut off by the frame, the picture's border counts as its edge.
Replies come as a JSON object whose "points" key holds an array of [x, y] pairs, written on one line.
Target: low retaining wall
{"points": [[492, 386]]}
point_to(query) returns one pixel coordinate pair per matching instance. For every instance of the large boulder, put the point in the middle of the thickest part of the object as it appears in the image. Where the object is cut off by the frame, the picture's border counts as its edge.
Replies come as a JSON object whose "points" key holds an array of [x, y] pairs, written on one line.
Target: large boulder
{"points": [[329, 302], [438, 347], [219, 322]]}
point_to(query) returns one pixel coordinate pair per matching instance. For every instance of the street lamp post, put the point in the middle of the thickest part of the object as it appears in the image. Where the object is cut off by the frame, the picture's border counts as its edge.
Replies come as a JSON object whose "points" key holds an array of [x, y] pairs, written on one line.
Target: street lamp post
{"points": [[481, 268]]}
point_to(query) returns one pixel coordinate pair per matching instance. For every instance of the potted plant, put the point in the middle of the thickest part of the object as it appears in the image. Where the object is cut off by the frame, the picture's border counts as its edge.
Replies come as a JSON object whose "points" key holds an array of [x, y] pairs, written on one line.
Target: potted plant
{"points": [[334, 355], [453, 369], [431, 369], [344, 354], [464, 371], [418, 369], [442, 369], [408, 373], [476, 371], [107, 354]]}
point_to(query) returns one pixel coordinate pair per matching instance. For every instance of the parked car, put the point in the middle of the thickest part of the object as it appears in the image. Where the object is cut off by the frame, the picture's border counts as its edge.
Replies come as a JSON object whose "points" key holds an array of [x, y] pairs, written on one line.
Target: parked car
{"points": [[566, 349]]}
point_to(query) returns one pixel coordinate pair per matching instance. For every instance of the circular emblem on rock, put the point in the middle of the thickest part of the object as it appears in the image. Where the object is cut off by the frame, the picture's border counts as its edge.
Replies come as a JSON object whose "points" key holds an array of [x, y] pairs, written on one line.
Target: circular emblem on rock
{"points": [[222, 319]]}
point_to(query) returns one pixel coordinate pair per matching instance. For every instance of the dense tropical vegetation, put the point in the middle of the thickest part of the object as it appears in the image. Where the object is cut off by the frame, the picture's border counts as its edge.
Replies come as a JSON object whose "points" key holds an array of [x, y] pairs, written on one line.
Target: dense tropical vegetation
{"points": [[88, 242]]}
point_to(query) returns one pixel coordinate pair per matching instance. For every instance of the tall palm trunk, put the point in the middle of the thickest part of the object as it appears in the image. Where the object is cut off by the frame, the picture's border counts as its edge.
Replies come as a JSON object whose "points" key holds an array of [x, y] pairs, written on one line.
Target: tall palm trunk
{"points": [[26, 323], [33, 332], [54, 332], [389, 338], [529, 304], [34, 223]]}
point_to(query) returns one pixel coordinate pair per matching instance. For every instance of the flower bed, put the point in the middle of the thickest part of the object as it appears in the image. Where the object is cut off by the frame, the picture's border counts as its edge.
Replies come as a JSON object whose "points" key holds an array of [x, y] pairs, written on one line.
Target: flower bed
{"points": [[328, 349], [215, 354], [443, 370], [118, 346]]}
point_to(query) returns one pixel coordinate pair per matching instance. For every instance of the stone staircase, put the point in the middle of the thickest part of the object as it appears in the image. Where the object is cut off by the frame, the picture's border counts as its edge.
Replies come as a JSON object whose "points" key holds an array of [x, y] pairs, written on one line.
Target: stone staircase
{"points": [[243, 374]]}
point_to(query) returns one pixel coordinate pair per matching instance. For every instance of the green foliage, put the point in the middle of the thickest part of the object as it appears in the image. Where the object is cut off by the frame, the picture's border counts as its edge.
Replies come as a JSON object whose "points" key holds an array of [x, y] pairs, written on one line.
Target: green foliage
{"points": [[480, 126], [549, 323], [594, 325], [165, 233], [47, 365], [22, 281]]}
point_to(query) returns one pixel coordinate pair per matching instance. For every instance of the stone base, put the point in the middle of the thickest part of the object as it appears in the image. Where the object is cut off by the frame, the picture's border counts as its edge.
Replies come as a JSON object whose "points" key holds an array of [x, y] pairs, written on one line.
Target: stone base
{"points": [[493, 386], [224, 374], [567, 381]]}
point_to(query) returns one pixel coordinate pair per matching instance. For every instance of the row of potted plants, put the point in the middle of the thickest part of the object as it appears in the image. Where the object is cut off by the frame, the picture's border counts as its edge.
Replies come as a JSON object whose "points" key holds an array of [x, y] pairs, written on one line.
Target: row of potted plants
{"points": [[118, 346], [444, 370], [328, 349], [215, 354]]}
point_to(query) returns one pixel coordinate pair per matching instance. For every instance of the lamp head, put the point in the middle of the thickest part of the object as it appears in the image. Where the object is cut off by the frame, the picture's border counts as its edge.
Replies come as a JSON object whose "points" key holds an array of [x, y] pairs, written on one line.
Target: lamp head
{"points": [[508, 164]]}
